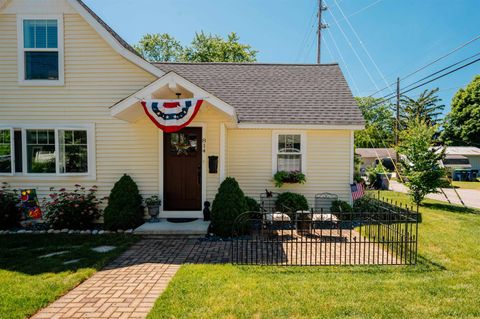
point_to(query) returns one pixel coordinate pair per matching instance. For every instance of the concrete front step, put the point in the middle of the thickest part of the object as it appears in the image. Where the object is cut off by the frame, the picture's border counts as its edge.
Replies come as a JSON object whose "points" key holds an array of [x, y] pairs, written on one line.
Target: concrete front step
{"points": [[196, 228]]}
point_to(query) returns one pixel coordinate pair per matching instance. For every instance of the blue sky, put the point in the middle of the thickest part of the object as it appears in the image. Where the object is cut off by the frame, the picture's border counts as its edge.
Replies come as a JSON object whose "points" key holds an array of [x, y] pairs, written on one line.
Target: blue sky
{"points": [[399, 35]]}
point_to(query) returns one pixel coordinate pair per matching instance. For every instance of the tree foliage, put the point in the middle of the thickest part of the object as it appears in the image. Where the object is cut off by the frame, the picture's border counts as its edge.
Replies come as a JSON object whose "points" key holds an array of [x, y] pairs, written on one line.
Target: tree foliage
{"points": [[421, 162], [204, 48], [462, 124], [426, 108], [379, 122]]}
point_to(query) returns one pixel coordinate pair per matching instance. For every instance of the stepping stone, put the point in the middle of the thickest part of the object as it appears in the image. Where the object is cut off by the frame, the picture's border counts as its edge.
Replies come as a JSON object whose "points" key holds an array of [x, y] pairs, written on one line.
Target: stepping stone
{"points": [[103, 249], [73, 261], [54, 254]]}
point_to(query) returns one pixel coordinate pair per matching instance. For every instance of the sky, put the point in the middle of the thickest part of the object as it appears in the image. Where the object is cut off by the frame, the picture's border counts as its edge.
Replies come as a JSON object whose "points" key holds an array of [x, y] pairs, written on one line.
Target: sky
{"points": [[374, 41]]}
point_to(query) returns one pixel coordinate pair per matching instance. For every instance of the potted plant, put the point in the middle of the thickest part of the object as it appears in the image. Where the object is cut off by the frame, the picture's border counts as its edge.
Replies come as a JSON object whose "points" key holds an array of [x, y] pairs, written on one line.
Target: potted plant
{"points": [[153, 204], [292, 177]]}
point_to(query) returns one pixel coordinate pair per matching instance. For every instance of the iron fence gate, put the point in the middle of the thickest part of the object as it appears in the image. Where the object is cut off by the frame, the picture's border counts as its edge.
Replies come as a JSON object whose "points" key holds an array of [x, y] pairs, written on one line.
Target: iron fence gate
{"points": [[386, 235]]}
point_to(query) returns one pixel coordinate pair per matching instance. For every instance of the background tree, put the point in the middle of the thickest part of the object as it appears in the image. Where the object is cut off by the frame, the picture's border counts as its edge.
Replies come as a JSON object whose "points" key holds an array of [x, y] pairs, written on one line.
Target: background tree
{"points": [[159, 48], [421, 162], [425, 108], [462, 124], [204, 48], [379, 122]]}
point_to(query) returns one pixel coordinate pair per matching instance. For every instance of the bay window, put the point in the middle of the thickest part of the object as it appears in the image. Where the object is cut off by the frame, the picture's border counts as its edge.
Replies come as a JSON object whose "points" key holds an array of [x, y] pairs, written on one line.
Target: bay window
{"points": [[46, 151]]}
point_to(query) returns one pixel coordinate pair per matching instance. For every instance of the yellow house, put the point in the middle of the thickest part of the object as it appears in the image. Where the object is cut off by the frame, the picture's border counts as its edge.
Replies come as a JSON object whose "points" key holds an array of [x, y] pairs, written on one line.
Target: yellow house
{"points": [[71, 113]]}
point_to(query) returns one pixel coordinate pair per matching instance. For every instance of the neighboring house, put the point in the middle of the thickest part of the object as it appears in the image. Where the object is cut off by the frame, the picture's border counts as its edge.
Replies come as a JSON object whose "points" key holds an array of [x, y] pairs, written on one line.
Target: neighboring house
{"points": [[371, 156], [70, 112], [472, 154]]}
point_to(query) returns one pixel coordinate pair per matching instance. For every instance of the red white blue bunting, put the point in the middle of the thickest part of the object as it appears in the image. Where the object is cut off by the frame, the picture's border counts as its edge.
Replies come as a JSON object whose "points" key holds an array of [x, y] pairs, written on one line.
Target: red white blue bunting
{"points": [[172, 115]]}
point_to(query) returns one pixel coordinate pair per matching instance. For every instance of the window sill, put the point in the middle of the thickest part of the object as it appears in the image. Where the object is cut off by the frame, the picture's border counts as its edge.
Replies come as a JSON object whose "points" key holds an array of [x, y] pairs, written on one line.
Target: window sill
{"points": [[52, 177], [41, 83]]}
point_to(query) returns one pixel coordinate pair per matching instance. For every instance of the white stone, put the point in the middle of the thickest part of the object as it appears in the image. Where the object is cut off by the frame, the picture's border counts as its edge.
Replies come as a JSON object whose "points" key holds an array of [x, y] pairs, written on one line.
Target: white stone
{"points": [[70, 231], [120, 231], [103, 249], [54, 254], [129, 231], [73, 261], [101, 232], [50, 231], [95, 232], [21, 231], [65, 230]]}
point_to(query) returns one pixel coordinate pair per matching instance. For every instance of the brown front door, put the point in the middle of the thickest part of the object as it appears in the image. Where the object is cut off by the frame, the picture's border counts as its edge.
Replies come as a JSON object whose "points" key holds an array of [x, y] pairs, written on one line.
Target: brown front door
{"points": [[182, 169]]}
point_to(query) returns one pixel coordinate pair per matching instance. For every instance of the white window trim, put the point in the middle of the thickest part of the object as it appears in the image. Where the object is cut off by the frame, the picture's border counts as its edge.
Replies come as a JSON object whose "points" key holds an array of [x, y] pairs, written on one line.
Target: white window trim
{"points": [[21, 51], [303, 148], [90, 175], [12, 152]]}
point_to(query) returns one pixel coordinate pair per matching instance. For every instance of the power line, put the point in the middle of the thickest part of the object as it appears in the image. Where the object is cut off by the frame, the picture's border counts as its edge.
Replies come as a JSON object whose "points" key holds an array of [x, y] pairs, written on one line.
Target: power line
{"points": [[354, 50], [387, 98], [431, 63], [307, 35], [361, 43], [361, 10], [435, 73]]}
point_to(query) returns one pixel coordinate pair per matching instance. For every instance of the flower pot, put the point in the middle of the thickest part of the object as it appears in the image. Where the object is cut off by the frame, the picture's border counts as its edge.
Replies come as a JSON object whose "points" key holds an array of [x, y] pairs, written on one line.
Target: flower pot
{"points": [[153, 211]]}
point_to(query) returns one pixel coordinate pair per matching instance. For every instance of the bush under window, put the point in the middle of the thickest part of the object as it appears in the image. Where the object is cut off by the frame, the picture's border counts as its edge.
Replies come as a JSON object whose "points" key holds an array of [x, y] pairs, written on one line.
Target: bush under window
{"points": [[291, 202], [124, 210], [10, 214], [76, 209]]}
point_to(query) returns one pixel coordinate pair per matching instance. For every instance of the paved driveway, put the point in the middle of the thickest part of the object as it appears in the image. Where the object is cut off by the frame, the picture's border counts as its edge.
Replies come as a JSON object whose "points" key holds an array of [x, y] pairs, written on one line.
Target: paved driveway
{"points": [[470, 197]]}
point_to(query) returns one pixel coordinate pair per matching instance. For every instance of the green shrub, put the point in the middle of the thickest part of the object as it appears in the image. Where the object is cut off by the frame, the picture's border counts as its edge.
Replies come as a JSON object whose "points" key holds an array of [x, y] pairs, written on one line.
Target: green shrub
{"points": [[10, 215], [229, 203], [124, 210], [291, 202], [293, 177], [339, 206], [77, 209], [365, 204], [252, 204]]}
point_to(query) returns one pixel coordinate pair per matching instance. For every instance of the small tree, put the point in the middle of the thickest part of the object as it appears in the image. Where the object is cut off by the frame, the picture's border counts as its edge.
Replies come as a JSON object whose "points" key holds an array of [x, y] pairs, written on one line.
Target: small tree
{"points": [[124, 210], [227, 205], [421, 162]]}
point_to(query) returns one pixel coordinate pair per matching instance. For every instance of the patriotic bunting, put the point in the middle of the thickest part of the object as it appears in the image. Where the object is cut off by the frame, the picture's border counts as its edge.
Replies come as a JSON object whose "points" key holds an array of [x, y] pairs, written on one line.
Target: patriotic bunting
{"points": [[172, 115]]}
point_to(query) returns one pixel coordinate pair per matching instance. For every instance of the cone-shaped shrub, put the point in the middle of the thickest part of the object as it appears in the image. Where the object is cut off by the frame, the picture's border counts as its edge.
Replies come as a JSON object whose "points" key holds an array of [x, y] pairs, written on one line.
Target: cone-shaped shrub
{"points": [[227, 205], [124, 210]]}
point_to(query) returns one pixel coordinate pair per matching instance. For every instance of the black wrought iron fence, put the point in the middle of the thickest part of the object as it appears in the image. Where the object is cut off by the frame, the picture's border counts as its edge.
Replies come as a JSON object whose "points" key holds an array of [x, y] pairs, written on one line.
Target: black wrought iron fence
{"points": [[385, 235]]}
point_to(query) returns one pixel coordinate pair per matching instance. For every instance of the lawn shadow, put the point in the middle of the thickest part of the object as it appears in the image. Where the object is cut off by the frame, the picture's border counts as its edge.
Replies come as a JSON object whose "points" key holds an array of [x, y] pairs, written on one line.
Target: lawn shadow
{"points": [[33, 254], [450, 208]]}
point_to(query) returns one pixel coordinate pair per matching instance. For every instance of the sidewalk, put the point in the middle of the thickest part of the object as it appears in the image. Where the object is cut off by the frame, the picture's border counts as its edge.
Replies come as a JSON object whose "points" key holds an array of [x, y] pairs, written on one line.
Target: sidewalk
{"points": [[470, 197]]}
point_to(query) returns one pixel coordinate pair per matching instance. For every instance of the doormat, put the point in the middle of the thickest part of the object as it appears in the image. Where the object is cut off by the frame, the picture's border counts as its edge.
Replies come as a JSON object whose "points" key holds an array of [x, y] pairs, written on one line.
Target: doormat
{"points": [[181, 220]]}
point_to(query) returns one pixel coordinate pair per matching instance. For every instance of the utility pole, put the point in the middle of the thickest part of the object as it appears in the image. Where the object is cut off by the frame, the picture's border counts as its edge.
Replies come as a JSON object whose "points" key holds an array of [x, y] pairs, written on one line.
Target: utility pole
{"points": [[321, 26]]}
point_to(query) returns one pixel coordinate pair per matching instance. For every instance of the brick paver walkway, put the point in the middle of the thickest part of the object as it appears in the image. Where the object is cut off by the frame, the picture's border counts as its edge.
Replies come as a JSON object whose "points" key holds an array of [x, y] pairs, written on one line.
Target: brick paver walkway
{"points": [[129, 286]]}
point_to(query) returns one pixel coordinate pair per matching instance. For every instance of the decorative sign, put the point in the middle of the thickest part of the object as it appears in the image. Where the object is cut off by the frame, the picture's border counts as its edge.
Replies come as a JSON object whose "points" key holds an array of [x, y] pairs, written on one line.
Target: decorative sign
{"points": [[29, 204], [172, 115]]}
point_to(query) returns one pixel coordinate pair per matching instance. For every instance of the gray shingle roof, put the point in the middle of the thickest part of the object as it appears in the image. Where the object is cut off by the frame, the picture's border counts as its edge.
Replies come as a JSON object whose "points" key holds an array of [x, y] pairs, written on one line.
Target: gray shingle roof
{"points": [[276, 93]]}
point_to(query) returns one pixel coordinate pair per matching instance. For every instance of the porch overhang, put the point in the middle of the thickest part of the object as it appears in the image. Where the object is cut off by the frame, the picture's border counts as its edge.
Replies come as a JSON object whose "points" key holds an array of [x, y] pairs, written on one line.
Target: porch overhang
{"points": [[130, 109]]}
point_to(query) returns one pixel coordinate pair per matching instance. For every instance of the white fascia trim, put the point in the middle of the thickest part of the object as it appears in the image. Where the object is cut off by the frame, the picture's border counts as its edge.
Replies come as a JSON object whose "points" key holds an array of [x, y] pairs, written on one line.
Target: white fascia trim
{"points": [[113, 42], [300, 126], [167, 80]]}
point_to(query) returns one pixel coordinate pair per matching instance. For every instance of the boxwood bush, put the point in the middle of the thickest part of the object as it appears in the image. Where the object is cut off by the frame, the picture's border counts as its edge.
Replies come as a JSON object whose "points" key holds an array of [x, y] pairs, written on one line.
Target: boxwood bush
{"points": [[289, 201], [228, 204], [10, 214], [252, 204], [124, 209]]}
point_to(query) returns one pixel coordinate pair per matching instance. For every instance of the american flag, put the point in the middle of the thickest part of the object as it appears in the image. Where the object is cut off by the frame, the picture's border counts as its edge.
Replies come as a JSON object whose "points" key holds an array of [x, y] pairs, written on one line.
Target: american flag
{"points": [[358, 190]]}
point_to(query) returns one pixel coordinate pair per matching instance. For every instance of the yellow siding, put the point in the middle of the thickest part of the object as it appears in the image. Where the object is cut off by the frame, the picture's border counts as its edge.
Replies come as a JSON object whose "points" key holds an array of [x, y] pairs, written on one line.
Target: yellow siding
{"points": [[96, 77], [328, 162]]}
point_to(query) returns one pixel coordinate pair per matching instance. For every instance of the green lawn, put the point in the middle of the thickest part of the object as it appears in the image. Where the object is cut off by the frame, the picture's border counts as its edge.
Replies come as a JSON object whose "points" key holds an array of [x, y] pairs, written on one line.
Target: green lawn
{"points": [[29, 283], [467, 185], [445, 284]]}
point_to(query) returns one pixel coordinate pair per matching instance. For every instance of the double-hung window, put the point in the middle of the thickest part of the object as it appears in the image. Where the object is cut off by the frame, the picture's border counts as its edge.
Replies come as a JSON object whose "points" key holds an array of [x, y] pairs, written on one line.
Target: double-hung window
{"points": [[47, 151], [288, 152], [40, 50]]}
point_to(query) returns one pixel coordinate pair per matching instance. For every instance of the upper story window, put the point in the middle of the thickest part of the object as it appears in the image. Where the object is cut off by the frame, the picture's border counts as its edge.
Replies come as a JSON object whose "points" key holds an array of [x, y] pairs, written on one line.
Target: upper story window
{"points": [[40, 51]]}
